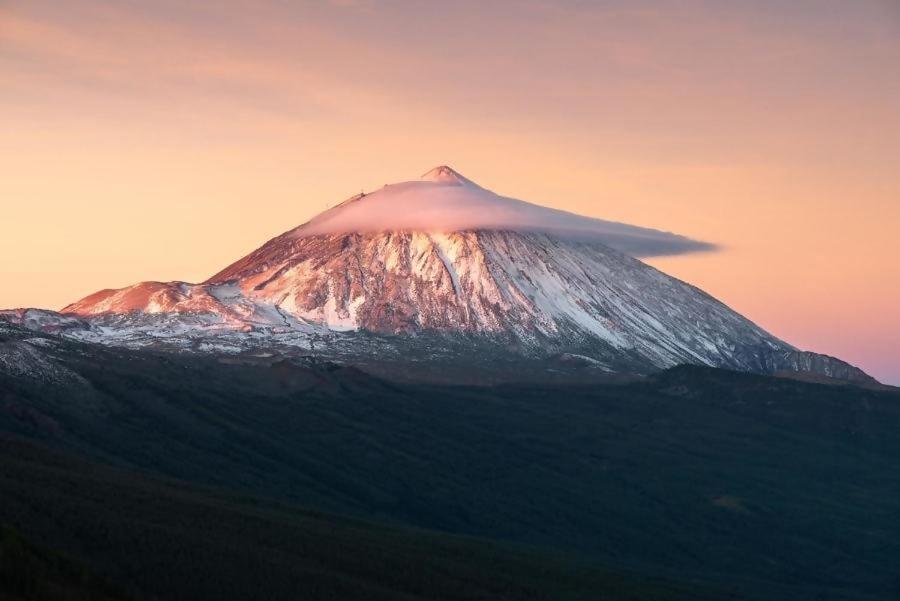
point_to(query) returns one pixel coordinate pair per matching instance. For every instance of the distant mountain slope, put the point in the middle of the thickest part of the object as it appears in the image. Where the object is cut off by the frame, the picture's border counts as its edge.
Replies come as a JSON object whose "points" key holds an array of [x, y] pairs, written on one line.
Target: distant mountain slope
{"points": [[445, 260]]}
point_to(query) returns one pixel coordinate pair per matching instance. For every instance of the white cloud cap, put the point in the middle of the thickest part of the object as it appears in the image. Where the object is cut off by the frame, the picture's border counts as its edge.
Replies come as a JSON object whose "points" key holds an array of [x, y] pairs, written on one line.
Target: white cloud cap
{"points": [[445, 201]]}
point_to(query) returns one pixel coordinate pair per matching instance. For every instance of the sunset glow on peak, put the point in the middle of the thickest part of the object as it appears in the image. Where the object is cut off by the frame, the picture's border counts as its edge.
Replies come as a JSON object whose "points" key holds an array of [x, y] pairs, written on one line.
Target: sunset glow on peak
{"points": [[401, 299], [445, 201]]}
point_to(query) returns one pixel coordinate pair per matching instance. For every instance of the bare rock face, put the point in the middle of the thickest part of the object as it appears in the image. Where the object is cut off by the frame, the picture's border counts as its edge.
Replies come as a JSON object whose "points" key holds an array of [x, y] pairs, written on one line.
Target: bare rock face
{"points": [[805, 362], [555, 283]]}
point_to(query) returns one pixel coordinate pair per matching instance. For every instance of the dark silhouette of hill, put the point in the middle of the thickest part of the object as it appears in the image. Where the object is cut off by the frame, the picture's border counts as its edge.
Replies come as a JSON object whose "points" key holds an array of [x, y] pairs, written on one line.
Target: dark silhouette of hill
{"points": [[167, 539], [752, 484]]}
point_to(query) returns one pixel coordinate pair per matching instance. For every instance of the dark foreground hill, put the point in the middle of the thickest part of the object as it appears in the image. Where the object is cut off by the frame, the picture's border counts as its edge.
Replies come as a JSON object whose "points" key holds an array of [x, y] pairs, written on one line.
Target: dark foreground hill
{"points": [[759, 486], [160, 538]]}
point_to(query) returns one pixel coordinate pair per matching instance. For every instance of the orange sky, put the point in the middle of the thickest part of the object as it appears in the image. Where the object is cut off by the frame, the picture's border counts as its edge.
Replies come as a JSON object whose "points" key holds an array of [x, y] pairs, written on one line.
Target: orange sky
{"points": [[145, 140]]}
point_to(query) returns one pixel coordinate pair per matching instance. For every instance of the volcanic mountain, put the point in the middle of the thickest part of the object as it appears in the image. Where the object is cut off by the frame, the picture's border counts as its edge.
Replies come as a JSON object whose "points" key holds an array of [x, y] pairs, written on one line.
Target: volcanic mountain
{"points": [[441, 263]]}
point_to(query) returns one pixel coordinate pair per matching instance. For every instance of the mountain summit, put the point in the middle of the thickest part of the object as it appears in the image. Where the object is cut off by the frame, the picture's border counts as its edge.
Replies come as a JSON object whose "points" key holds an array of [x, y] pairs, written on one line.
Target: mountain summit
{"points": [[441, 266], [446, 175], [444, 201]]}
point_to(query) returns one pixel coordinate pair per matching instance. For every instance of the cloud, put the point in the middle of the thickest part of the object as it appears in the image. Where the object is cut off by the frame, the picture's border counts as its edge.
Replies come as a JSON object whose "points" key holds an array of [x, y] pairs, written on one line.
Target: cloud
{"points": [[444, 201]]}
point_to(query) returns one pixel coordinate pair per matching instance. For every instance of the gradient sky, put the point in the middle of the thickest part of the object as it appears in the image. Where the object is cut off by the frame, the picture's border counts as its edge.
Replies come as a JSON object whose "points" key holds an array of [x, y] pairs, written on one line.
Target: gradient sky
{"points": [[162, 140]]}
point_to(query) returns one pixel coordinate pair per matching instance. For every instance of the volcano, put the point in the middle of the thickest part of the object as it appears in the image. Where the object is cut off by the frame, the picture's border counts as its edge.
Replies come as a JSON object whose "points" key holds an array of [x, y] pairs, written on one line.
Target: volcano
{"points": [[444, 264]]}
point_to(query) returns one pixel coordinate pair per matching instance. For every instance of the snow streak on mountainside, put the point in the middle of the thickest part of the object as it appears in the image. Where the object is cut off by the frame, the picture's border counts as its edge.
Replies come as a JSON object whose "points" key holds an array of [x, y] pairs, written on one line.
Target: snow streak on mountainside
{"points": [[459, 267], [535, 289]]}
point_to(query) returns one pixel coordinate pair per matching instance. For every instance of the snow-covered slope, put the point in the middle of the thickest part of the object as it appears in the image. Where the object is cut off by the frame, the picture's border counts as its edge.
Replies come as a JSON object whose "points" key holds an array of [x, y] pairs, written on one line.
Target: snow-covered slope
{"points": [[445, 261], [534, 289]]}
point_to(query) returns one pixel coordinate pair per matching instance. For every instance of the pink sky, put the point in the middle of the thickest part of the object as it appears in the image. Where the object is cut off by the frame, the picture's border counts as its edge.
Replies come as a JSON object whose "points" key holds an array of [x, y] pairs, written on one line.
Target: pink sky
{"points": [[162, 141]]}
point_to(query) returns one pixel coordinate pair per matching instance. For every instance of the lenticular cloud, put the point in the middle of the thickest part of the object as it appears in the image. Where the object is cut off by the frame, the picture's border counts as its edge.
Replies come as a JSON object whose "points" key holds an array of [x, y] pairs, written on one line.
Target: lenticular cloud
{"points": [[444, 201]]}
